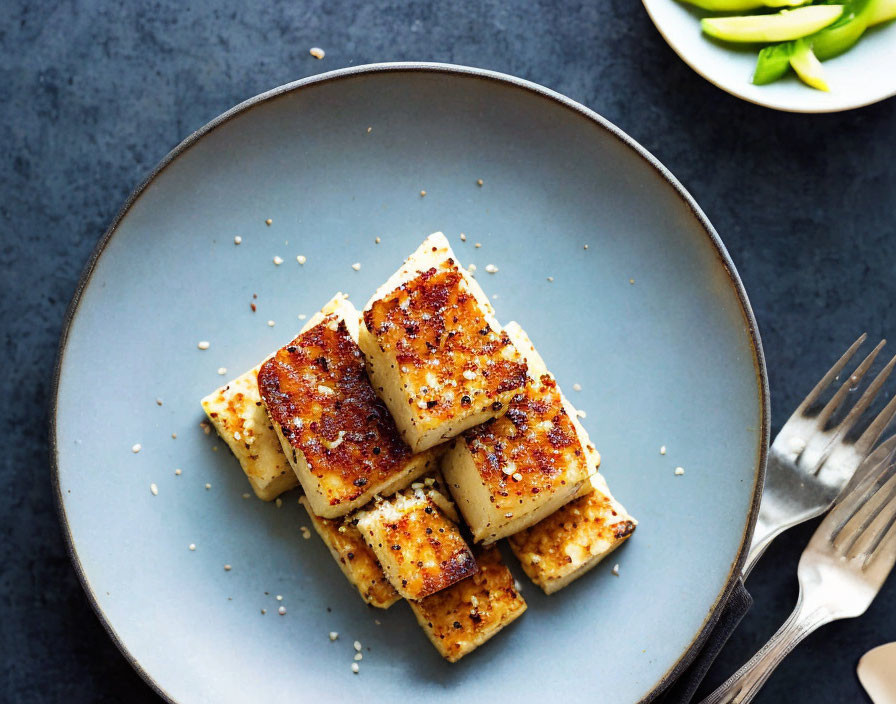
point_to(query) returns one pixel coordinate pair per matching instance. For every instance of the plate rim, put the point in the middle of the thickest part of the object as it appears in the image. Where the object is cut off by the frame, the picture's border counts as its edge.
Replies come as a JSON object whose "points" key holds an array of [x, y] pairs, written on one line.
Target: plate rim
{"points": [[731, 90], [456, 70]]}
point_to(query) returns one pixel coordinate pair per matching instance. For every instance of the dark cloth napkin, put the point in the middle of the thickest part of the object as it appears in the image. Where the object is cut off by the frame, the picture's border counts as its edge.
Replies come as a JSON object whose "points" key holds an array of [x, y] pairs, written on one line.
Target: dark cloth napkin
{"points": [[687, 678]]}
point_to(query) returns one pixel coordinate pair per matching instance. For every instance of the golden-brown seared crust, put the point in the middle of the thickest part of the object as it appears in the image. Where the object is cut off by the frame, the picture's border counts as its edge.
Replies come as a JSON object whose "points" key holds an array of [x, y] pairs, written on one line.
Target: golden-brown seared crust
{"points": [[530, 451], [236, 412], [570, 541], [449, 355], [317, 391], [420, 549], [355, 559], [459, 619]]}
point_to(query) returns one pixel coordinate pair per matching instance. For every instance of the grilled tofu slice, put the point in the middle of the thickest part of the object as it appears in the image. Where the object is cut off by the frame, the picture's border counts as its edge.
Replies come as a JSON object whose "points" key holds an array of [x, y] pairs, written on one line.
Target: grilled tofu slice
{"points": [[511, 472], [420, 549], [435, 353], [336, 433], [355, 558], [462, 617], [568, 543], [236, 412]]}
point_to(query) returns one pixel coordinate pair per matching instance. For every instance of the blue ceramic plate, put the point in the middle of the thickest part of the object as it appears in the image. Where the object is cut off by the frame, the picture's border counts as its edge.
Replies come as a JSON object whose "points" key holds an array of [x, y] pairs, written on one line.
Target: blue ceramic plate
{"points": [[650, 319], [861, 76]]}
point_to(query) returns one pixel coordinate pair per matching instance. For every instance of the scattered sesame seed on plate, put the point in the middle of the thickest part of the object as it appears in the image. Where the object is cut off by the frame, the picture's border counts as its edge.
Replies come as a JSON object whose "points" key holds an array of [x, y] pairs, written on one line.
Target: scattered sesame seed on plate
{"points": [[263, 612], [333, 635], [246, 496], [270, 323], [422, 193], [222, 370], [317, 52], [302, 316], [306, 534], [208, 486], [282, 611], [616, 569], [581, 414], [237, 240], [178, 472], [356, 266], [478, 181], [227, 568], [174, 436], [301, 259], [631, 281], [359, 656], [206, 428], [355, 668], [154, 489], [663, 450], [158, 402], [278, 260], [586, 246], [268, 222], [136, 448], [478, 245], [278, 503], [369, 130], [203, 345], [576, 387], [471, 268], [679, 471], [463, 237], [491, 268], [550, 279], [279, 597], [357, 645], [192, 546]]}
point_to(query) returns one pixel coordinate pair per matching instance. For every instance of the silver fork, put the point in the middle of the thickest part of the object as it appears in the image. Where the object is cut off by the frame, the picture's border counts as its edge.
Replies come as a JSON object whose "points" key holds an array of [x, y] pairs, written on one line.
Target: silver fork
{"points": [[840, 572], [809, 464]]}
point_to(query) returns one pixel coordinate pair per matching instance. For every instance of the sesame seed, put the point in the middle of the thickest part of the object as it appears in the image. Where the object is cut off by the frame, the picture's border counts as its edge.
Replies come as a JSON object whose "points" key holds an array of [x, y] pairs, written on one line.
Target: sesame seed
{"points": [[278, 503], [577, 387], [377, 622], [377, 240], [474, 600], [508, 515], [279, 597], [463, 237], [422, 194], [356, 266], [174, 436], [278, 260], [158, 402], [237, 240], [227, 568], [301, 259], [359, 657], [245, 496], [369, 130], [282, 611], [586, 246], [631, 281], [534, 559], [222, 370], [305, 532], [263, 612], [357, 645], [317, 52], [270, 323], [206, 428], [679, 471], [154, 489], [203, 345], [616, 569], [663, 450], [177, 472], [581, 414], [491, 268], [471, 268], [550, 279], [208, 486], [333, 635], [355, 668], [302, 316], [268, 222], [192, 546], [517, 477], [136, 448], [478, 181], [478, 245]]}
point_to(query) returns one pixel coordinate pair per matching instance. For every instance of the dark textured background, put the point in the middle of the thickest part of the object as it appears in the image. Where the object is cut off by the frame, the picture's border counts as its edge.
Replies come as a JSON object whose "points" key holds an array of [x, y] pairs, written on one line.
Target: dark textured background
{"points": [[92, 95]]}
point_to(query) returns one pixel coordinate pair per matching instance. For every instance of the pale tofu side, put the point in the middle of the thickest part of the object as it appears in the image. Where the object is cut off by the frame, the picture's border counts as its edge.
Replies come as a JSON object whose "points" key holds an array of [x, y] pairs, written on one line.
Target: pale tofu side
{"points": [[568, 543], [355, 558], [336, 433], [238, 415], [459, 619], [508, 474], [236, 412], [420, 549], [435, 353]]}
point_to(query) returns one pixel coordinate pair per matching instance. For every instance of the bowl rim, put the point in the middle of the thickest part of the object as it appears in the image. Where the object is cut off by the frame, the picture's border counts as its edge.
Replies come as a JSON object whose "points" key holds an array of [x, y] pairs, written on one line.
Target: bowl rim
{"points": [[733, 90], [456, 70]]}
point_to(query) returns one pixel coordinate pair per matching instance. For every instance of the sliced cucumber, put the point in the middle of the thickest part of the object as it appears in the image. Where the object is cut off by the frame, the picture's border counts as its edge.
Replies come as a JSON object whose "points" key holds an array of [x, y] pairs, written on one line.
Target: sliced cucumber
{"points": [[742, 5], [836, 38], [773, 62], [881, 11], [807, 66], [780, 27]]}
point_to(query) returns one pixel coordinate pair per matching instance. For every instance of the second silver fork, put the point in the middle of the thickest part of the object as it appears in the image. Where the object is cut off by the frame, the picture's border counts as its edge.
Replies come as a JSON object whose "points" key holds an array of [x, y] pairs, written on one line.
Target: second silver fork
{"points": [[809, 463]]}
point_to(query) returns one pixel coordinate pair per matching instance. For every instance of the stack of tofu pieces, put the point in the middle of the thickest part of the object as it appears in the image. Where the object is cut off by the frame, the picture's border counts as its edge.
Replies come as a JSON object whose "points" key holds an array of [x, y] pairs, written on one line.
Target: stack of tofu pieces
{"points": [[421, 433]]}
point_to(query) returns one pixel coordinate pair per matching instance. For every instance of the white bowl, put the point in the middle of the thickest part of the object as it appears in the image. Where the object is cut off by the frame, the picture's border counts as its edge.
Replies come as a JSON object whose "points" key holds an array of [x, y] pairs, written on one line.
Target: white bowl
{"points": [[863, 75]]}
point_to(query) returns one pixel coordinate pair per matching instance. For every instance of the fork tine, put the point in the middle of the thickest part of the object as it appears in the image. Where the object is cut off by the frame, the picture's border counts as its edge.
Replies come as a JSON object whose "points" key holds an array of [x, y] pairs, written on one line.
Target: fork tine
{"points": [[853, 502], [876, 427], [882, 454], [865, 400], [852, 379], [830, 376], [884, 550], [860, 534]]}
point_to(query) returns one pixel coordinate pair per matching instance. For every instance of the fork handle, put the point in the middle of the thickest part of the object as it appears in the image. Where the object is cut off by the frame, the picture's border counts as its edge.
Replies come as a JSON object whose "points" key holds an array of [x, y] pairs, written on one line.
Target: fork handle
{"points": [[767, 529], [744, 684]]}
